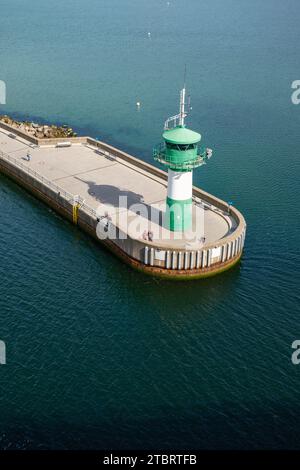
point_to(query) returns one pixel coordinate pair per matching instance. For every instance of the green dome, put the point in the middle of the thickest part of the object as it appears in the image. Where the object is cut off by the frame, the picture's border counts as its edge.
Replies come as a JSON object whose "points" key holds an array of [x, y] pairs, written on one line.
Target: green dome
{"points": [[181, 135]]}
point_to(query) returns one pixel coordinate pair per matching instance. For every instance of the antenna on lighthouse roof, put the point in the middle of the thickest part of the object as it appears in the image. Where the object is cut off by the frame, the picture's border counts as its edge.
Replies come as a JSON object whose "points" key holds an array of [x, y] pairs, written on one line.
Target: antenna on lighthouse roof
{"points": [[182, 112], [171, 122]]}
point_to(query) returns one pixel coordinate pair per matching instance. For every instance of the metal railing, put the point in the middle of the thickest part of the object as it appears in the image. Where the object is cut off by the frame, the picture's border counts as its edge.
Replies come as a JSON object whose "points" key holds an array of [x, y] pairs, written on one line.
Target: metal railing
{"points": [[160, 155], [54, 187]]}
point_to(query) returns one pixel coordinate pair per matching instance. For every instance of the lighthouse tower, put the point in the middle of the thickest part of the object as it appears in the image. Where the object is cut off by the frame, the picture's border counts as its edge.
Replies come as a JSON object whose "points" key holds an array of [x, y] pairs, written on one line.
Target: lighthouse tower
{"points": [[180, 154]]}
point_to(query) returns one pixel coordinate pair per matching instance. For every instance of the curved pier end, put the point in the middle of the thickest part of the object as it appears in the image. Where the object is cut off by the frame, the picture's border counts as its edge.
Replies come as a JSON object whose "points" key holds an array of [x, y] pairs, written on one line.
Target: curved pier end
{"points": [[83, 178]]}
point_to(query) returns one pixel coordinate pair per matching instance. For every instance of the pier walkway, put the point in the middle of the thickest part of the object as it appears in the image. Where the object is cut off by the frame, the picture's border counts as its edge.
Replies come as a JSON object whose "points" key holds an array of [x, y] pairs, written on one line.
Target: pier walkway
{"points": [[100, 178]]}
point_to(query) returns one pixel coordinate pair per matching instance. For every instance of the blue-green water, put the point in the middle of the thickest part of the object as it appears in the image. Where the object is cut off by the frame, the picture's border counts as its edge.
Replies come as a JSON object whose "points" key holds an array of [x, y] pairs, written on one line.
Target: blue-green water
{"points": [[97, 354]]}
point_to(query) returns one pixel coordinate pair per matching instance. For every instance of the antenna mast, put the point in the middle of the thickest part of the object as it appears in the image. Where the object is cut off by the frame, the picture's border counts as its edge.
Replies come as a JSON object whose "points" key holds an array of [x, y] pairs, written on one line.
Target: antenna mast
{"points": [[182, 113], [179, 118]]}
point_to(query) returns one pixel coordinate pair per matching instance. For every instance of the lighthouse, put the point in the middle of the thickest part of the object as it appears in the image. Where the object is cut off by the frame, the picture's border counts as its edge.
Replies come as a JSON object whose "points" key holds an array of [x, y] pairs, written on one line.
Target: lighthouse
{"points": [[180, 154]]}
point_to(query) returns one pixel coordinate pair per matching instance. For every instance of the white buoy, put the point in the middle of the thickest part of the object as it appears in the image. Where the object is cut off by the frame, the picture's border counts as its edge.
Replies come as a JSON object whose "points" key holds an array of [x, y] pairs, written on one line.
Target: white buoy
{"points": [[149, 35], [138, 104]]}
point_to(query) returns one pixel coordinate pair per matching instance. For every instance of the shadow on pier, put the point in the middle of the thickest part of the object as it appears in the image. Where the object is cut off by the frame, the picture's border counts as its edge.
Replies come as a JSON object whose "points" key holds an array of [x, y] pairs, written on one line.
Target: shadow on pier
{"points": [[119, 198]]}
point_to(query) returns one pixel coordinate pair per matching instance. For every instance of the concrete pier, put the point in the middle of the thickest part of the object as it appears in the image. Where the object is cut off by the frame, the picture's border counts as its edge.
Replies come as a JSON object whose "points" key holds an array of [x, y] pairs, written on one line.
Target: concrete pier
{"points": [[83, 180]]}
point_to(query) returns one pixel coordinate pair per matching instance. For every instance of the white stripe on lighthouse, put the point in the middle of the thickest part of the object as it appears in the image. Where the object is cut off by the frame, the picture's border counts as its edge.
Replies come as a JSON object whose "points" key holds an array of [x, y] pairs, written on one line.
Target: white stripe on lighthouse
{"points": [[180, 185]]}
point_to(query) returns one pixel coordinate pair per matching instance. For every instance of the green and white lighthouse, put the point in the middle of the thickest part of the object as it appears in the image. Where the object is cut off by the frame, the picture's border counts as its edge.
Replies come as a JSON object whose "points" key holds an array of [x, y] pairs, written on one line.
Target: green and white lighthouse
{"points": [[180, 154]]}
